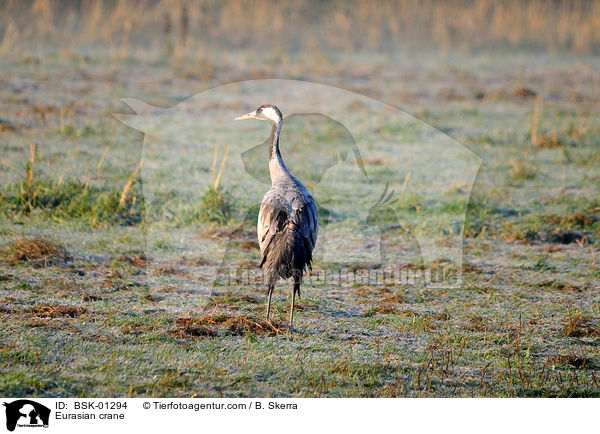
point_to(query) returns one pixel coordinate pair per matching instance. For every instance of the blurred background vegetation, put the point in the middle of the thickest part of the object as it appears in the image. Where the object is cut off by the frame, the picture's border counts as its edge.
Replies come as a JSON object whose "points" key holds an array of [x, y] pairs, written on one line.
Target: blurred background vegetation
{"points": [[175, 25]]}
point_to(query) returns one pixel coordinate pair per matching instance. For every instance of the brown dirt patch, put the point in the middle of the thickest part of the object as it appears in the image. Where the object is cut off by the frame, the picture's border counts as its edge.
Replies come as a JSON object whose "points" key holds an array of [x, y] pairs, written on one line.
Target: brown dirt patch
{"points": [[215, 325]]}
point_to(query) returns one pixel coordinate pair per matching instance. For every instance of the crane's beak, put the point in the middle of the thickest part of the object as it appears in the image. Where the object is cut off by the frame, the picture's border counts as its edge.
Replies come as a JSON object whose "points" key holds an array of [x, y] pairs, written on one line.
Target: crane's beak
{"points": [[251, 115]]}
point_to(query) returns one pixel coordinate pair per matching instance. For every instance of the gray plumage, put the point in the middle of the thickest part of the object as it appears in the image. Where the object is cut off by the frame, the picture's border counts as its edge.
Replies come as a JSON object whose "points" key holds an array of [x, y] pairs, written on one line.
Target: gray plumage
{"points": [[288, 222], [287, 229]]}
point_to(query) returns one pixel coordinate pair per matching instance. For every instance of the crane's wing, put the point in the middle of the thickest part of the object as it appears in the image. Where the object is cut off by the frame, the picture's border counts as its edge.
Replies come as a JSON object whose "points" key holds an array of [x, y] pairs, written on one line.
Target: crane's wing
{"points": [[287, 233], [306, 219], [272, 218]]}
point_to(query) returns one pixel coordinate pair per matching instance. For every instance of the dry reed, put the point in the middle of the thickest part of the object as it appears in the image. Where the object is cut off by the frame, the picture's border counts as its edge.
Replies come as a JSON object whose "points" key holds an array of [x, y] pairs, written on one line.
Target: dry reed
{"points": [[304, 24]]}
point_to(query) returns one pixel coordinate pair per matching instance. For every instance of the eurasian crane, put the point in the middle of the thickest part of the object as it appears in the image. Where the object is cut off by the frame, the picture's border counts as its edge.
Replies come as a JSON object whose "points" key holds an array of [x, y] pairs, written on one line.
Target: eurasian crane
{"points": [[288, 221]]}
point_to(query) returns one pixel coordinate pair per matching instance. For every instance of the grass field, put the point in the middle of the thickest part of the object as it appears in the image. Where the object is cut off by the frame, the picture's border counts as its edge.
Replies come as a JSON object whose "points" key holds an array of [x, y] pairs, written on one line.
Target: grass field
{"points": [[92, 306]]}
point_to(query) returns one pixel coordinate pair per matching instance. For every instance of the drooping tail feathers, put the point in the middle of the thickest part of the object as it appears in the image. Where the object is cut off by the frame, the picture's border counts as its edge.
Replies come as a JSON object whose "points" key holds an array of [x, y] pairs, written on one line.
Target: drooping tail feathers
{"points": [[287, 253]]}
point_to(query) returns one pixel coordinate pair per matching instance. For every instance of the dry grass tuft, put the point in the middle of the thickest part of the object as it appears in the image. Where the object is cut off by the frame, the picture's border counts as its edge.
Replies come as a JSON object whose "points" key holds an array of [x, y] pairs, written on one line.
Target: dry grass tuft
{"points": [[561, 286], [523, 92], [578, 326], [86, 296], [197, 261], [396, 298], [538, 138], [36, 251], [521, 171], [229, 298], [6, 277], [57, 311], [387, 305], [381, 309], [139, 260], [477, 323], [471, 268], [248, 245], [165, 270], [216, 205], [8, 126], [568, 237], [215, 325], [578, 219], [365, 293], [549, 141], [442, 316], [571, 360]]}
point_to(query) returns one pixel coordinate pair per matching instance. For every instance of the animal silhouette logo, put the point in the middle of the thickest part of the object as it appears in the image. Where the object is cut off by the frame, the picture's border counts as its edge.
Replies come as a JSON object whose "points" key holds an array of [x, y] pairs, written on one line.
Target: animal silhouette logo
{"points": [[342, 145], [26, 413]]}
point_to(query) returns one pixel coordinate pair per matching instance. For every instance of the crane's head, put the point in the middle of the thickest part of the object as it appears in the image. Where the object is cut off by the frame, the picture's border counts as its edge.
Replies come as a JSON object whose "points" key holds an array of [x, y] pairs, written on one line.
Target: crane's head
{"points": [[265, 112]]}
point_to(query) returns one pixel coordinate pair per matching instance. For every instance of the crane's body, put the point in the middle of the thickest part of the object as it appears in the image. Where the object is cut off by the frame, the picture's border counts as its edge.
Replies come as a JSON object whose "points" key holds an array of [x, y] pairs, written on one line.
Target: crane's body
{"points": [[288, 222]]}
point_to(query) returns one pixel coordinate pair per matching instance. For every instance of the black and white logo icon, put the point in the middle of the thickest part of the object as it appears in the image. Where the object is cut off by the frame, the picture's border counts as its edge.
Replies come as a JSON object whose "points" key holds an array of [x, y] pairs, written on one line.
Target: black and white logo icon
{"points": [[26, 413]]}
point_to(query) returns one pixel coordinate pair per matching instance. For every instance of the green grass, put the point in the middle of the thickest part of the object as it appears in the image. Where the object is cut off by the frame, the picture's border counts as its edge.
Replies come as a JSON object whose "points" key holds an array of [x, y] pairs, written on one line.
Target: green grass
{"points": [[215, 207], [83, 289], [71, 199]]}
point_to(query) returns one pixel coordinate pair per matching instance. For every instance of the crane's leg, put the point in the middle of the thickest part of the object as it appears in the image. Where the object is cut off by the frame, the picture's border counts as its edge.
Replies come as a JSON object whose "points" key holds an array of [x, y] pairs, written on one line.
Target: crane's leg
{"points": [[295, 290], [271, 286]]}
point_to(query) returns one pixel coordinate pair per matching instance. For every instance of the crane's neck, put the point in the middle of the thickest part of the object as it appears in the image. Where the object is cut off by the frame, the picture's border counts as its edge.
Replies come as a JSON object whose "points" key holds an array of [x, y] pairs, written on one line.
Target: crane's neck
{"points": [[277, 167]]}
